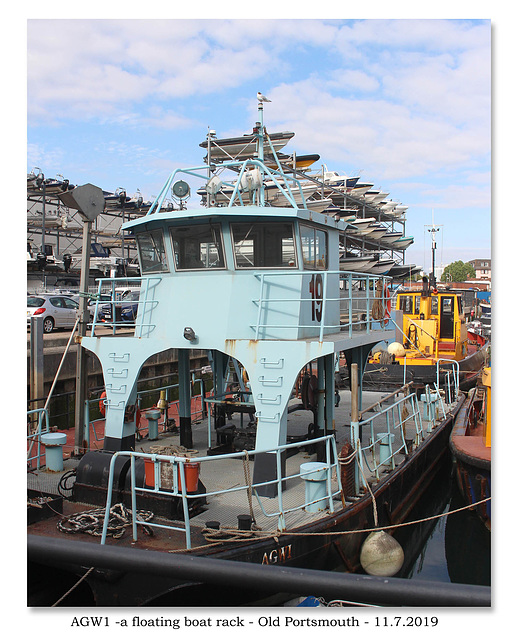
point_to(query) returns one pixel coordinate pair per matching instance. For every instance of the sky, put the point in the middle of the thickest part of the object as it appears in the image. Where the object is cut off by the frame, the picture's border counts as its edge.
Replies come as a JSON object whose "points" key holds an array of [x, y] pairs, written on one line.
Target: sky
{"points": [[404, 103]]}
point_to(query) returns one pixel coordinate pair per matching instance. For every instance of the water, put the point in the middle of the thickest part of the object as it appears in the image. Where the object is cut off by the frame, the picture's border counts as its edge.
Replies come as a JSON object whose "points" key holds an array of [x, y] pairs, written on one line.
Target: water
{"points": [[455, 548]]}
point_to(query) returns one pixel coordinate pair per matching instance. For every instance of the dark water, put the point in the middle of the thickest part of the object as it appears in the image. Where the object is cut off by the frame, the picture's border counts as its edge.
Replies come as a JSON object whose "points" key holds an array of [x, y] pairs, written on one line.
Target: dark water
{"points": [[455, 548]]}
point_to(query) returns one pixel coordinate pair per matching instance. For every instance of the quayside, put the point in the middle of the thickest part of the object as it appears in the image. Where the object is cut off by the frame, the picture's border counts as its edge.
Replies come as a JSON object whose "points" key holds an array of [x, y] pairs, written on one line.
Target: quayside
{"points": [[284, 468]]}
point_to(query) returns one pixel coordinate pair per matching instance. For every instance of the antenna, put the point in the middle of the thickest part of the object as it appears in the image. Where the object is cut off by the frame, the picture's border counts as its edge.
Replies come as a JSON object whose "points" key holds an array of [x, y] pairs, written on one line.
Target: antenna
{"points": [[433, 230]]}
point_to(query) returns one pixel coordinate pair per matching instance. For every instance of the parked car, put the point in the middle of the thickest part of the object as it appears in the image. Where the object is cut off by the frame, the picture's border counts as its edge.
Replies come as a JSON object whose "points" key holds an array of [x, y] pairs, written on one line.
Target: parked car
{"points": [[91, 303], [57, 311], [125, 309]]}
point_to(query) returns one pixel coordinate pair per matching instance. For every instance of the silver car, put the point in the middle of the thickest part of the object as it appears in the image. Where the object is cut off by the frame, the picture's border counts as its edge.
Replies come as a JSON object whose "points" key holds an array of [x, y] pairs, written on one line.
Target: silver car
{"points": [[57, 311]]}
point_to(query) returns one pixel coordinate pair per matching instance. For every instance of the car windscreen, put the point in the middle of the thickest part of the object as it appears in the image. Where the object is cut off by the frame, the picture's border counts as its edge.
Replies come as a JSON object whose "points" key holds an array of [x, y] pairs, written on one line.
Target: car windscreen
{"points": [[33, 301]]}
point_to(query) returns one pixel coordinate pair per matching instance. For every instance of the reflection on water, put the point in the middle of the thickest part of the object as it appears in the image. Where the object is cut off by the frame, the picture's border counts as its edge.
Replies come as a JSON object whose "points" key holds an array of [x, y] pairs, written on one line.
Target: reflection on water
{"points": [[455, 548]]}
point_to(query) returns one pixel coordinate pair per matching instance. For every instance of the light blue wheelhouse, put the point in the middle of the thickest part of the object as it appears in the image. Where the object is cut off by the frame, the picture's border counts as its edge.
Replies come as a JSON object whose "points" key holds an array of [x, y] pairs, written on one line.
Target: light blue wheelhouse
{"points": [[246, 281]]}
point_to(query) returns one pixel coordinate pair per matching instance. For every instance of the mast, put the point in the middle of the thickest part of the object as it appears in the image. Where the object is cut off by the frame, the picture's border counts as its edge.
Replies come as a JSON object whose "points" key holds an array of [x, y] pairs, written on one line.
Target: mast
{"points": [[433, 230], [260, 147]]}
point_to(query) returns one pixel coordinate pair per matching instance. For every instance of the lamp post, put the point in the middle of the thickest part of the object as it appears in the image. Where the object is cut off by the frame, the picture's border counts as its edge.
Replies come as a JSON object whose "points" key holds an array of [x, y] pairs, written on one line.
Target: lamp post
{"points": [[89, 202]]}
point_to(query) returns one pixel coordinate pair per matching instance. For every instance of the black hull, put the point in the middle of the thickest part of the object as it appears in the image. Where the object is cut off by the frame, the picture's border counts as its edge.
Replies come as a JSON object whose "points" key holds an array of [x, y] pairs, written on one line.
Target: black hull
{"points": [[396, 496], [474, 484], [388, 377]]}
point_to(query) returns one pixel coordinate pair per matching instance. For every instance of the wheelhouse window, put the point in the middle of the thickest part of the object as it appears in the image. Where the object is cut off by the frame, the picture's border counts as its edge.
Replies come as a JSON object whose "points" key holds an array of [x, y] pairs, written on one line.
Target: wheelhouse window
{"points": [[264, 245], [314, 248], [406, 304], [152, 255], [197, 247]]}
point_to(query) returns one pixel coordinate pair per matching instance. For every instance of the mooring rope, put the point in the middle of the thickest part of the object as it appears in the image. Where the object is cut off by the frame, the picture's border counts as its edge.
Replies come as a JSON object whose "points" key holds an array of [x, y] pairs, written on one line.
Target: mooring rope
{"points": [[92, 521], [249, 488]]}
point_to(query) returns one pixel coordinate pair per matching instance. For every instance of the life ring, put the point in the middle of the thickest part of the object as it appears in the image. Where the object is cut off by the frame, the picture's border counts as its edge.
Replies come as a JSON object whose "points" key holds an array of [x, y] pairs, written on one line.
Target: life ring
{"points": [[101, 404], [387, 302]]}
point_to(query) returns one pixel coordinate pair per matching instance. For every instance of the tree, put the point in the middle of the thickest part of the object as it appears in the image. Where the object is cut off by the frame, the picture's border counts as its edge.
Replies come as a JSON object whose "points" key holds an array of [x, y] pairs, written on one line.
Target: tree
{"points": [[458, 272]]}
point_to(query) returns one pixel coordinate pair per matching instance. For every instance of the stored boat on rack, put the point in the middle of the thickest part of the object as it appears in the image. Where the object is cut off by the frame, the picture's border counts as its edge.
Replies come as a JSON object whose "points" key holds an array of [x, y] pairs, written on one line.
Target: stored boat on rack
{"points": [[470, 444], [292, 483]]}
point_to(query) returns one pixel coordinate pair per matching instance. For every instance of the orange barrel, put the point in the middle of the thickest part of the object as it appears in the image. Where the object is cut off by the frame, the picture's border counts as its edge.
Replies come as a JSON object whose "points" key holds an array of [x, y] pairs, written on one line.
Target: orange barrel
{"points": [[149, 472], [192, 474]]}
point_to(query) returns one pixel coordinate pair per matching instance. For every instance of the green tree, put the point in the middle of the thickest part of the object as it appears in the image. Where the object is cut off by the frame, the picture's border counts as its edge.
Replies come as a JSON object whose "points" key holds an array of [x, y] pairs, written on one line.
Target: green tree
{"points": [[458, 272]]}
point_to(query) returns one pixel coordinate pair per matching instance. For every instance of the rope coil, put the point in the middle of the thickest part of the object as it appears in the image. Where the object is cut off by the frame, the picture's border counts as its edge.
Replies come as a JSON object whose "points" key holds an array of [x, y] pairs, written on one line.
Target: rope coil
{"points": [[92, 521]]}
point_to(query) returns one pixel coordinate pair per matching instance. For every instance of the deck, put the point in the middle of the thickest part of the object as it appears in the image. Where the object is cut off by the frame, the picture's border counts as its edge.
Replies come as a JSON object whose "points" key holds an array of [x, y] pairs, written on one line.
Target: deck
{"points": [[230, 473]]}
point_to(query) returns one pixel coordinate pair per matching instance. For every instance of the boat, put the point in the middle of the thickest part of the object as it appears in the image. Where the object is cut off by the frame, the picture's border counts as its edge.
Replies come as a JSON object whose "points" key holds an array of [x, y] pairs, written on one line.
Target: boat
{"points": [[470, 444], [383, 266], [402, 243], [363, 264], [288, 482], [403, 271], [290, 162], [333, 179], [245, 147], [432, 336], [377, 231], [362, 226], [390, 237], [374, 196]]}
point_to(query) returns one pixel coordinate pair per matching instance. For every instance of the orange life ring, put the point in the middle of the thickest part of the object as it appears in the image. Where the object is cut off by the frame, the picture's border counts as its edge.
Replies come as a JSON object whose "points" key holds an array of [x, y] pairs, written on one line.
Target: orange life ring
{"points": [[101, 404], [387, 301]]}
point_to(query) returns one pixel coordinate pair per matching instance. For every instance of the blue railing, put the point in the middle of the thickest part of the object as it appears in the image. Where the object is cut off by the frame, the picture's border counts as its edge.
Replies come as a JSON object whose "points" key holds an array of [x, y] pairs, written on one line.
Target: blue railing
{"points": [[361, 302], [177, 484], [113, 286], [35, 438]]}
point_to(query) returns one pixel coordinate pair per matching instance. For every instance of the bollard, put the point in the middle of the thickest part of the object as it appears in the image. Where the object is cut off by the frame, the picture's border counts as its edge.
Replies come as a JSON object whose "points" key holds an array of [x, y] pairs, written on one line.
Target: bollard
{"points": [[315, 476], [53, 450], [427, 399], [153, 415], [386, 441]]}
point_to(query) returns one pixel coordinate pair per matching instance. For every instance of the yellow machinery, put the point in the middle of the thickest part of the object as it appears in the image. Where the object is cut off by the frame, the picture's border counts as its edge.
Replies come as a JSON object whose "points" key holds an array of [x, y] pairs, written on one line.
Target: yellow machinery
{"points": [[433, 326]]}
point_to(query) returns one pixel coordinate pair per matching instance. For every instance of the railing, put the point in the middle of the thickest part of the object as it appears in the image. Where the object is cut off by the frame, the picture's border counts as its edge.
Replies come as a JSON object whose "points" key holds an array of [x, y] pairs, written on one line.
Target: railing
{"points": [[91, 424], [181, 492], [361, 302], [145, 284], [36, 436], [384, 428], [450, 380]]}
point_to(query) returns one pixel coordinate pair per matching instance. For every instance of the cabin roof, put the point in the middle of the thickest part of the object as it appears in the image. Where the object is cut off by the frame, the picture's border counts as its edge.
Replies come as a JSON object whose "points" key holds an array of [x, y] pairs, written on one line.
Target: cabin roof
{"points": [[240, 212]]}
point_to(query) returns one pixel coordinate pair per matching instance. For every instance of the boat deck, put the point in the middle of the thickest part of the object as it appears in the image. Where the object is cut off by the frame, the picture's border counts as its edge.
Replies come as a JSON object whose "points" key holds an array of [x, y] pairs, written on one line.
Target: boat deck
{"points": [[230, 473]]}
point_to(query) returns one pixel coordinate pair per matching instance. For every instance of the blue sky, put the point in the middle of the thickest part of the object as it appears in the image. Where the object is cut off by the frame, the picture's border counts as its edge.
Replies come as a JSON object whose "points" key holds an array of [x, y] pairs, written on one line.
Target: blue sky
{"points": [[406, 103]]}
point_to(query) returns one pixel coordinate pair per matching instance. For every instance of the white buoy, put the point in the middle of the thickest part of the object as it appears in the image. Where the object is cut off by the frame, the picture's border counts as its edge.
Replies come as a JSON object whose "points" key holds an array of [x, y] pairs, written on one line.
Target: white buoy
{"points": [[396, 349], [381, 555]]}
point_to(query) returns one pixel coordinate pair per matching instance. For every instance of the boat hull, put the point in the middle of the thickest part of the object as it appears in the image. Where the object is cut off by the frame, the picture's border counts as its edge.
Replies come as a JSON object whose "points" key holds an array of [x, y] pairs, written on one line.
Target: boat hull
{"points": [[472, 462]]}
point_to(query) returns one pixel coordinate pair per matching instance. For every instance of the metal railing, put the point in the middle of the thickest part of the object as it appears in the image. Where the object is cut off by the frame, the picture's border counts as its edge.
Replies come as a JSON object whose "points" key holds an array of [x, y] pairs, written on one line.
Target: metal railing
{"points": [[359, 295], [95, 402], [449, 379], [177, 483], [35, 438], [146, 285], [384, 428]]}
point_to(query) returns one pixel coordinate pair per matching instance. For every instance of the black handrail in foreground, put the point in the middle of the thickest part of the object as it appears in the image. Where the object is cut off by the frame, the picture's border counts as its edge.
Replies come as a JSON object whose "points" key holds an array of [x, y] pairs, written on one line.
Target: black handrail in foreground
{"points": [[325, 584]]}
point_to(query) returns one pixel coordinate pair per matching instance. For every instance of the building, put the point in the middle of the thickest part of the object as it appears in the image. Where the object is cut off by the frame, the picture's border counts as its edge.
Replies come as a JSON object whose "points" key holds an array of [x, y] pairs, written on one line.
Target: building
{"points": [[482, 267]]}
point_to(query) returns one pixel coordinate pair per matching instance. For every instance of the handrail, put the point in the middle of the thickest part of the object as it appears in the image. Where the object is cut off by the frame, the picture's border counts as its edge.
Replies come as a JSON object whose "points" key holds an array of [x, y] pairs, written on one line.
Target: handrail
{"points": [[356, 304], [141, 303], [455, 375], [178, 471], [391, 428], [36, 436]]}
